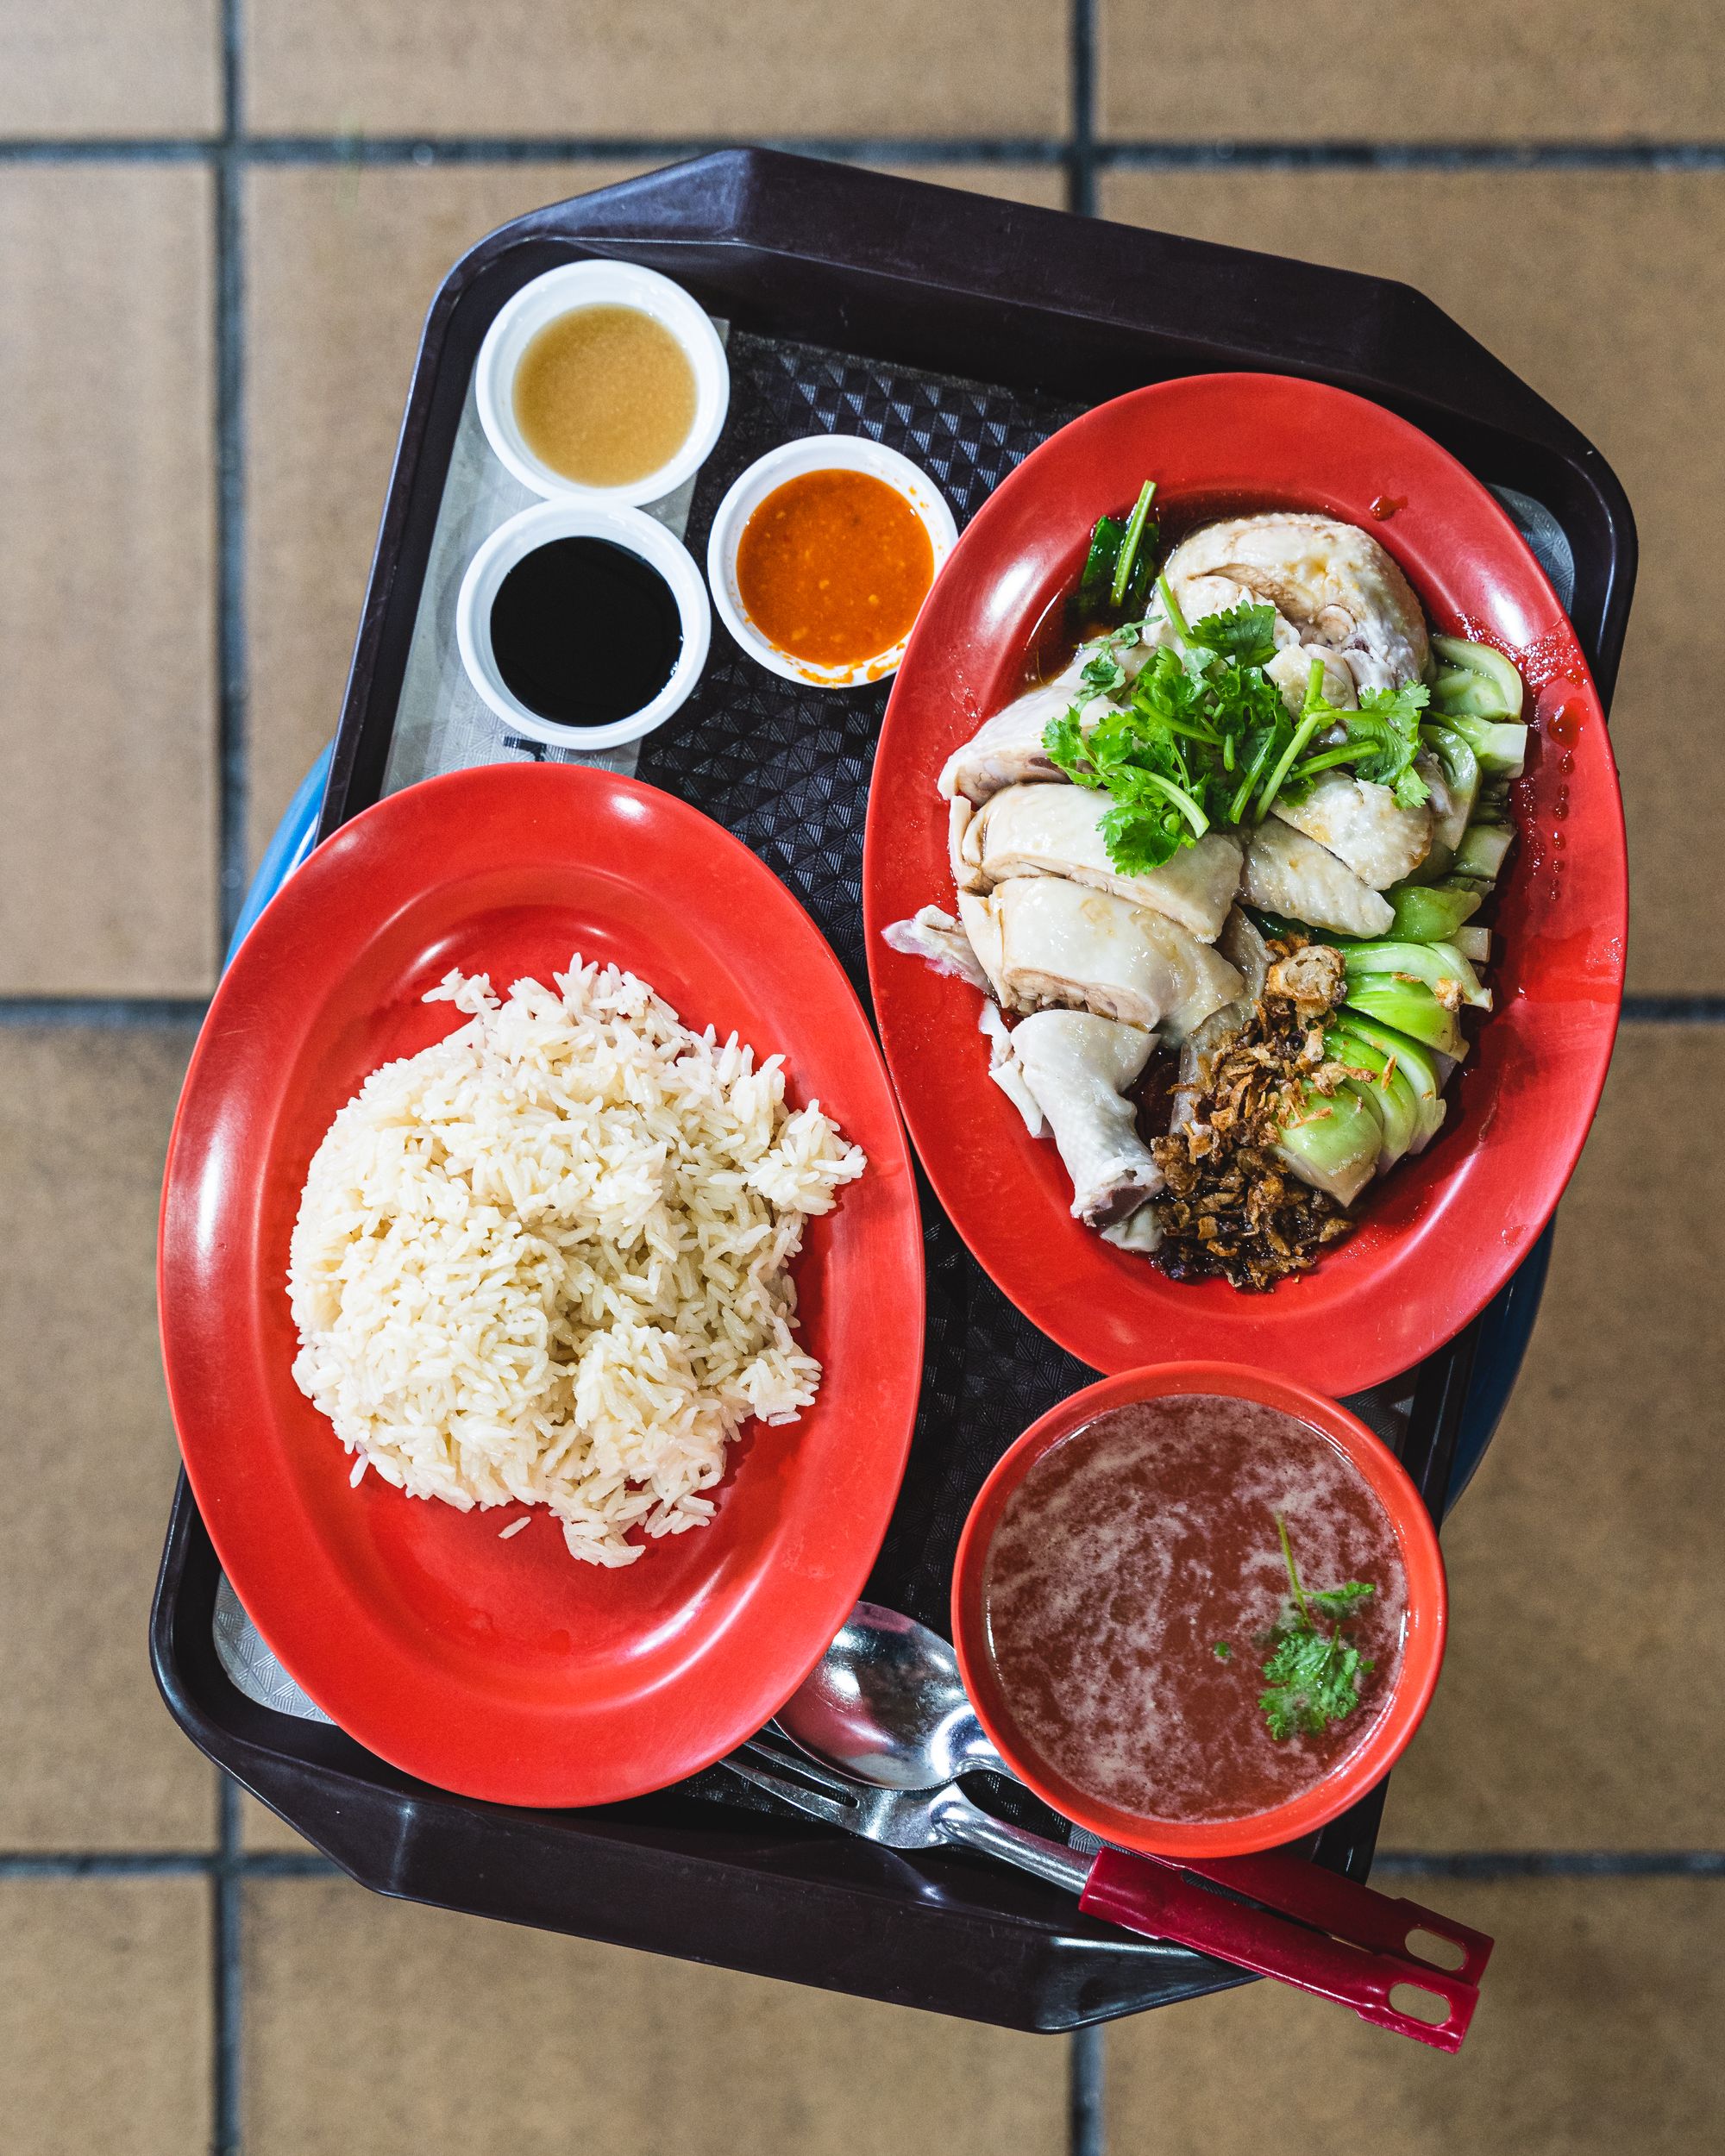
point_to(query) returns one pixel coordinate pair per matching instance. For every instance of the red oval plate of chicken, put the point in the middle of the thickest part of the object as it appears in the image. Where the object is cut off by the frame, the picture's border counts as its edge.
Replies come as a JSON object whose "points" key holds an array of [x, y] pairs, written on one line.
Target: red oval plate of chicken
{"points": [[1441, 1232]]}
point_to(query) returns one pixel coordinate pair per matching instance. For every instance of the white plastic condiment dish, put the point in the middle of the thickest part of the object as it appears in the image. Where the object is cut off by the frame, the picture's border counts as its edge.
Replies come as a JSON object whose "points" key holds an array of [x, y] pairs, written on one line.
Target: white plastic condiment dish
{"points": [[559, 292], [817, 453], [623, 527]]}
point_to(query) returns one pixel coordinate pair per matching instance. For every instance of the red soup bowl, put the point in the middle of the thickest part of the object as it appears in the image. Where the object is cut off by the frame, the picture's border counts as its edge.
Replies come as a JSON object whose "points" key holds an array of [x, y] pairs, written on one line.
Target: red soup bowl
{"points": [[1395, 1721]]}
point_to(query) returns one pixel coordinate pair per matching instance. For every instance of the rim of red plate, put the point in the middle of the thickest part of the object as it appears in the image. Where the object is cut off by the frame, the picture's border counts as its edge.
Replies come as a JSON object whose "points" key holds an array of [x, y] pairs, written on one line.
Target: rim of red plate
{"points": [[1445, 1230], [1422, 1649], [513, 1677]]}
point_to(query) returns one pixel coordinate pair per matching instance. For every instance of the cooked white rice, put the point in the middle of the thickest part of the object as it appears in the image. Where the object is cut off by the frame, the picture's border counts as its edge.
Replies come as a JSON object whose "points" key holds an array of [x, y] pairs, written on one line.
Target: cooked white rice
{"points": [[545, 1260]]}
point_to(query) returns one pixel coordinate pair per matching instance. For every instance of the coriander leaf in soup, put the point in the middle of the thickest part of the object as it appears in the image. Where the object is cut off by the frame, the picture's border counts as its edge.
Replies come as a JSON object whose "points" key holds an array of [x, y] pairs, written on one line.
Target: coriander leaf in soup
{"points": [[1339, 1601], [1313, 1680], [1102, 673], [1311, 1676]]}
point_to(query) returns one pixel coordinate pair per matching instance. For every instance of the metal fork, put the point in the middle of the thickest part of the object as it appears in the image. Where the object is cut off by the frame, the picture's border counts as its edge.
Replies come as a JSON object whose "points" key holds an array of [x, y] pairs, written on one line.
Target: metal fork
{"points": [[900, 1819]]}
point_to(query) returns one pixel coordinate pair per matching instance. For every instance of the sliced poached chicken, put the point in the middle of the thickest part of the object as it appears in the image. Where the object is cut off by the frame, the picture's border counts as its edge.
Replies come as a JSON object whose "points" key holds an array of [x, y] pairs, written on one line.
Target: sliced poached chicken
{"points": [[1044, 941], [1333, 582], [1055, 830], [1077, 1067], [1006, 750], [1289, 874], [1363, 824], [934, 935]]}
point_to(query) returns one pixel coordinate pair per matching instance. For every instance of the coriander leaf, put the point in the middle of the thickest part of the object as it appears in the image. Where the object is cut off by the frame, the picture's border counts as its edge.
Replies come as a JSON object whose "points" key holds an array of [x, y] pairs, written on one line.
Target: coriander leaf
{"points": [[1393, 717], [1338, 1601], [1102, 673], [1222, 1651], [1063, 744], [1313, 1680], [1140, 838], [1378, 742], [1311, 1676], [1244, 634]]}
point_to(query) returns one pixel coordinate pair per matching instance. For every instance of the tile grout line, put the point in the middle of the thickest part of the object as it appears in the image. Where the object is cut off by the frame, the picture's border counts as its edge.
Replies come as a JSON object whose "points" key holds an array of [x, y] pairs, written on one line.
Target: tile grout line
{"points": [[1341, 153], [103, 1011], [227, 1998], [1550, 1864], [1087, 2066], [230, 478], [1081, 163], [978, 150], [165, 1864], [1674, 1010], [227, 1988]]}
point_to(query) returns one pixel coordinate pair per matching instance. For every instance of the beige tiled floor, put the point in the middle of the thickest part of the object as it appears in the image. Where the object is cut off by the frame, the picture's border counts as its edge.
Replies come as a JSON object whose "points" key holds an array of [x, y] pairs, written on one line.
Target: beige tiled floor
{"points": [[104, 2017], [1470, 71], [109, 67], [1579, 1701], [91, 1762], [667, 68], [1607, 292], [1597, 2034], [345, 261], [499, 2042], [1575, 1707], [107, 694]]}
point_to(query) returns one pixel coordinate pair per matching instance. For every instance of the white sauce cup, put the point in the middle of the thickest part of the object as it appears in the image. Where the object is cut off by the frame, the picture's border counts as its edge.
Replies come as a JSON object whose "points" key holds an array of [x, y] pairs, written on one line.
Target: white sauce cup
{"points": [[819, 453], [560, 292], [623, 527]]}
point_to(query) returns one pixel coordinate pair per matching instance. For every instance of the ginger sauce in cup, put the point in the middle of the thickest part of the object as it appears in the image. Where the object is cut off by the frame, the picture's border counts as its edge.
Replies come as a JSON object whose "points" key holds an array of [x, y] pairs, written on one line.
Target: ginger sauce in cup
{"points": [[1199, 1610]]}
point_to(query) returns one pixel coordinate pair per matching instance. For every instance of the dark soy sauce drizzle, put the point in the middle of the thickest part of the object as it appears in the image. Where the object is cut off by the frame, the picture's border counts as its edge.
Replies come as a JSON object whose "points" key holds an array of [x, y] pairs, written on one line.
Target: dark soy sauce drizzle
{"points": [[584, 632]]}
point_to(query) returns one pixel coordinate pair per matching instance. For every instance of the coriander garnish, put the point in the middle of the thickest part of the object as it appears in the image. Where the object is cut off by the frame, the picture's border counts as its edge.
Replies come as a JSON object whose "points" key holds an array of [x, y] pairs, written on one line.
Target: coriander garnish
{"points": [[1313, 1675]]}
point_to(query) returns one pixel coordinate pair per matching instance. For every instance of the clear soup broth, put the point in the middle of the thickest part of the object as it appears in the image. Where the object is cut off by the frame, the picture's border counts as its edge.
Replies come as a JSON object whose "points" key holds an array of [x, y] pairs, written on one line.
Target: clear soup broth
{"points": [[1134, 1550]]}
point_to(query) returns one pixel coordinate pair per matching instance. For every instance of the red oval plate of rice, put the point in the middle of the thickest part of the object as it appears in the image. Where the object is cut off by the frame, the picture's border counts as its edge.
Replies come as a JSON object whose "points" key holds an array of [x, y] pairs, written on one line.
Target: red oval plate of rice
{"points": [[487, 1662]]}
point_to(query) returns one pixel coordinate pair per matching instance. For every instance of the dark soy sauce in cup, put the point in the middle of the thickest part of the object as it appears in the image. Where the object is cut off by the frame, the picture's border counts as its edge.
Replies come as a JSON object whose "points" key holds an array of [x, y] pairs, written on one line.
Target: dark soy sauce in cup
{"points": [[584, 632]]}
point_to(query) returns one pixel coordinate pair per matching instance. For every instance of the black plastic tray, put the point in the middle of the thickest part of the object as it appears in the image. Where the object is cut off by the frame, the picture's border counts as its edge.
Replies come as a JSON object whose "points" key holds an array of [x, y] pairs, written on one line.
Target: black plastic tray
{"points": [[855, 301]]}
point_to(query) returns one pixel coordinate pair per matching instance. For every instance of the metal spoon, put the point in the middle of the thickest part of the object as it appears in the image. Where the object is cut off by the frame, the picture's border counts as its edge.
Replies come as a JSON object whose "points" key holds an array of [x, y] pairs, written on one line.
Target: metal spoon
{"points": [[885, 1704]]}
